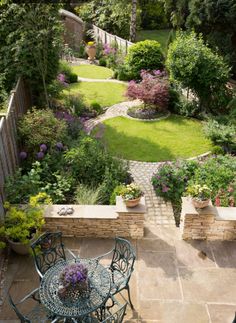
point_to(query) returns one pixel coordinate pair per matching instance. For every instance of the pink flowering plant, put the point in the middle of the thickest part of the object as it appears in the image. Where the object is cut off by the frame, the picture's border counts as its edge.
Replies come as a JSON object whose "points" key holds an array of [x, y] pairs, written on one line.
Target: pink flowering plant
{"points": [[226, 197], [153, 89], [73, 275]]}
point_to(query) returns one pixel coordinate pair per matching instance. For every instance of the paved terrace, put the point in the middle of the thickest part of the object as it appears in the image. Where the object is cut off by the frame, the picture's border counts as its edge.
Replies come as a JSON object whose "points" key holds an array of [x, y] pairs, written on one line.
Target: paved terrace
{"points": [[173, 281]]}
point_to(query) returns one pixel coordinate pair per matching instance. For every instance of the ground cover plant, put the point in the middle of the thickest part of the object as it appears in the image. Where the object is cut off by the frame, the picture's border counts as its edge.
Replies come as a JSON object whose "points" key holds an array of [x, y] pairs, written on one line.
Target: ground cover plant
{"points": [[92, 71], [217, 172], [167, 139], [106, 94]]}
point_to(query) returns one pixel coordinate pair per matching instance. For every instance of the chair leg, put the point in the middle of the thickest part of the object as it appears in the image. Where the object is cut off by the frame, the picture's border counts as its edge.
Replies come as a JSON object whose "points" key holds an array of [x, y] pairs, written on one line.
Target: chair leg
{"points": [[131, 304]]}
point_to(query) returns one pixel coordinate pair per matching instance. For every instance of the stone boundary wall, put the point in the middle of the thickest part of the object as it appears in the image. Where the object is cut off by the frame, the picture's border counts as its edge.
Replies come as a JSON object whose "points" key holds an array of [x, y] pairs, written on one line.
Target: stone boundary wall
{"points": [[98, 221], [210, 223]]}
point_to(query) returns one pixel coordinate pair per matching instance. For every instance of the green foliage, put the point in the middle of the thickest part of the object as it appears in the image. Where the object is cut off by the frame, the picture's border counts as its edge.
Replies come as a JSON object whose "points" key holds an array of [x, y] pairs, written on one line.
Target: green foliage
{"points": [[153, 14], [85, 195], [102, 61], [171, 180], [116, 192], [194, 66], [41, 127], [94, 105], [145, 55], [22, 223], [75, 103], [217, 173], [110, 15], [47, 176], [91, 165], [214, 19], [221, 134], [66, 69], [217, 150], [123, 72], [31, 33]]}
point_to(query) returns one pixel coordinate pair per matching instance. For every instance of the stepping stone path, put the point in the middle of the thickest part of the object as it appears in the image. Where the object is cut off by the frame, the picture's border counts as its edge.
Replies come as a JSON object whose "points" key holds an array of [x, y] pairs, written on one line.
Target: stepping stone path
{"points": [[159, 212]]}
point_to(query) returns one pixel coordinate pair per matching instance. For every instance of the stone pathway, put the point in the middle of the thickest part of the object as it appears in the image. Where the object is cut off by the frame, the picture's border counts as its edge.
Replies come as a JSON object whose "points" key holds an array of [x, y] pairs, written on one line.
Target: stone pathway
{"points": [[159, 212]]}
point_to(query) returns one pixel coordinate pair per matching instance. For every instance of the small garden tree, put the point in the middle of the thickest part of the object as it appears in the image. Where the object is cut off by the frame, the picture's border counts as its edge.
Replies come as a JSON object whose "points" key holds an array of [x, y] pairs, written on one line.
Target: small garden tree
{"points": [[30, 36], [194, 66], [152, 90], [145, 55]]}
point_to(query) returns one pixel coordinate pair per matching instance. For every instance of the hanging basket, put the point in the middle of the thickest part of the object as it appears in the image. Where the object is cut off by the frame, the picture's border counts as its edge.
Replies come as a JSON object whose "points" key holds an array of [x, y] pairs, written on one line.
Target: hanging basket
{"points": [[200, 204]]}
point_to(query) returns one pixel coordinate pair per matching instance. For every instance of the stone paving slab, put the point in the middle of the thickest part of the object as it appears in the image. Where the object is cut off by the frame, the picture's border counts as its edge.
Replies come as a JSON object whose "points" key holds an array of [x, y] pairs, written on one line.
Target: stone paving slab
{"points": [[170, 282]]}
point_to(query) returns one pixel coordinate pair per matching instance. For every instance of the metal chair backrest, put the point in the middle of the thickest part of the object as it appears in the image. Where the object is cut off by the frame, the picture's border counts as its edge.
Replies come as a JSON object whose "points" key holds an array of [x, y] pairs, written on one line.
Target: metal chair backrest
{"points": [[123, 258], [18, 313], [48, 249], [118, 316]]}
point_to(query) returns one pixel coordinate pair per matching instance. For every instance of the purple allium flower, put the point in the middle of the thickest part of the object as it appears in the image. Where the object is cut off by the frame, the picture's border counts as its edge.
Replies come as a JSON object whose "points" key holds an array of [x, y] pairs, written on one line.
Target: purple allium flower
{"points": [[23, 155], [43, 148], [59, 145], [40, 155], [61, 78]]}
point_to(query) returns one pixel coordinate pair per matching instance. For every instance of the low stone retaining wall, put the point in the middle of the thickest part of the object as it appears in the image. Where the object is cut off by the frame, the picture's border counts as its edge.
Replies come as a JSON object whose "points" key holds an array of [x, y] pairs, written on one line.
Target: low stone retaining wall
{"points": [[210, 223], [98, 221]]}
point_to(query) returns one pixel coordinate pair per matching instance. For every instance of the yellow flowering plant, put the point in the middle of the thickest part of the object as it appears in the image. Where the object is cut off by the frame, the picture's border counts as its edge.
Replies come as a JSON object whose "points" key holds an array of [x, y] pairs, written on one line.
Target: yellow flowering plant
{"points": [[91, 43], [131, 192], [199, 192], [24, 222]]}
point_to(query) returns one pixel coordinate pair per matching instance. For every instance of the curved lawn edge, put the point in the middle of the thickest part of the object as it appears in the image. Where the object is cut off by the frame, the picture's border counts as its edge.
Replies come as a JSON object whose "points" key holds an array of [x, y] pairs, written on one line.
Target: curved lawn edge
{"points": [[166, 140]]}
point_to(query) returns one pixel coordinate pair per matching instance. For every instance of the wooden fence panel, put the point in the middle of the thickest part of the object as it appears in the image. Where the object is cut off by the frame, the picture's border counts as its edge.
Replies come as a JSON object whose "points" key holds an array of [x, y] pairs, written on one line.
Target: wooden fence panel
{"points": [[19, 103], [106, 38]]}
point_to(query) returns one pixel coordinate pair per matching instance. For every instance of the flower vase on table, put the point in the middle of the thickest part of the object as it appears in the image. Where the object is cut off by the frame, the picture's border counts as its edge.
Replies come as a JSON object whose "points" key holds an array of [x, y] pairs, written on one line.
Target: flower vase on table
{"points": [[73, 282]]}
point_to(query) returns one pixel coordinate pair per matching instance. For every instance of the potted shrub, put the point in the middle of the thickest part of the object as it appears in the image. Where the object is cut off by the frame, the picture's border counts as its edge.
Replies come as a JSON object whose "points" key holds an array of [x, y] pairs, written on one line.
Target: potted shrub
{"points": [[24, 223], [91, 50], [200, 195], [131, 194]]}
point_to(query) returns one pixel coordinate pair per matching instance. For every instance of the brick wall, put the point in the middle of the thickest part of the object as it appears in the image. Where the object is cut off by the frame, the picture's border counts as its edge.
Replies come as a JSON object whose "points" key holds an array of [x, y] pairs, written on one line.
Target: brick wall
{"points": [[210, 223], [100, 221]]}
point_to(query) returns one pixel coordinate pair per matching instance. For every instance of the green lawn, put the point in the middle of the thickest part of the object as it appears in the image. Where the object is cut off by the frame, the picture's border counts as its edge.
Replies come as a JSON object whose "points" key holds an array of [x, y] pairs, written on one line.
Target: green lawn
{"points": [[106, 94], [160, 35], [92, 71], [168, 139]]}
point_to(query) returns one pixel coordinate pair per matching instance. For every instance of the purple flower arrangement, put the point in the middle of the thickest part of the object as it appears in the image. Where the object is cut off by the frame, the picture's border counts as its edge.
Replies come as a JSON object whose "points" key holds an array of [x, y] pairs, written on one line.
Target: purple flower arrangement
{"points": [[64, 115], [61, 78], [107, 50], [73, 275]]}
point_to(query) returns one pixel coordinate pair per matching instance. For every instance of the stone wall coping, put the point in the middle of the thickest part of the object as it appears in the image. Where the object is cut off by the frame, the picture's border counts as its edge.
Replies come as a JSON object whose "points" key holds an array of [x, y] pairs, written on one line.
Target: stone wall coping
{"points": [[220, 213], [95, 211], [82, 211], [226, 213], [122, 208]]}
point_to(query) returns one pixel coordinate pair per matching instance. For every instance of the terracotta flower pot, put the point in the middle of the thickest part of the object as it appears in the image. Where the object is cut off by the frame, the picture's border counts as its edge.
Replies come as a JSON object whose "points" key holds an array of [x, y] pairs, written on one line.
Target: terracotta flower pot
{"points": [[132, 203], [200, 204], [91, 51]]}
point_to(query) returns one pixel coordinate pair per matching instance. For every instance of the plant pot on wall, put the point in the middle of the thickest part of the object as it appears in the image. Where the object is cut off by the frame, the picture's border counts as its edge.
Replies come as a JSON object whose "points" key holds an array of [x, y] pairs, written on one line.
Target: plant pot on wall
{"points": [[132, 203], [91, 51], [198, 204]]}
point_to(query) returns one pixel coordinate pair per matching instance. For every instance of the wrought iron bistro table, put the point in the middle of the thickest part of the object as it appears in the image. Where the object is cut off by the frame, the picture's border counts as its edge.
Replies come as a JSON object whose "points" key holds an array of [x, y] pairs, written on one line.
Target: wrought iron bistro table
{"points": [[83, 305]]}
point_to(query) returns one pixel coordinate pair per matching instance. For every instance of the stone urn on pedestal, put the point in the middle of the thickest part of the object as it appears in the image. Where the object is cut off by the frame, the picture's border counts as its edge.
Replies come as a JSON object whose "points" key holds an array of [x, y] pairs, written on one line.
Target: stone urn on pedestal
{"points": [[91, 51]]}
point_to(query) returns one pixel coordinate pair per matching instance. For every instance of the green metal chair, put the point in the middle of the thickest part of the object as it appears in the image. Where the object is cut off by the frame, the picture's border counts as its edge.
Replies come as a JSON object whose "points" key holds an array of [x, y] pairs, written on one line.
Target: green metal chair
{"points": [[121, 266], [48, 250], [37, 312]]}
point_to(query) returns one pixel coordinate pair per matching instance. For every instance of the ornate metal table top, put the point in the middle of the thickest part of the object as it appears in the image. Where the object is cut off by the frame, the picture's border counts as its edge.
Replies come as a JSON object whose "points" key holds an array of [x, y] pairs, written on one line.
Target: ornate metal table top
{"points": [[99, 289]]}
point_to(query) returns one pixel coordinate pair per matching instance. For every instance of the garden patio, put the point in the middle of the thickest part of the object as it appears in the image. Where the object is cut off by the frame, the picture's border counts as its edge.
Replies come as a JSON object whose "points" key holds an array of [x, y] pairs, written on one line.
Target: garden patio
{"points": [[173, 280]]}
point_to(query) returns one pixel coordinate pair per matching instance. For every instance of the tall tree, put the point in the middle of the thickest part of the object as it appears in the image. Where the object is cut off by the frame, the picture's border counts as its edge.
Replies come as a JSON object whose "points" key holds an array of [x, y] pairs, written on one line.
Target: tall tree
{"points": [[133, 21]]}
